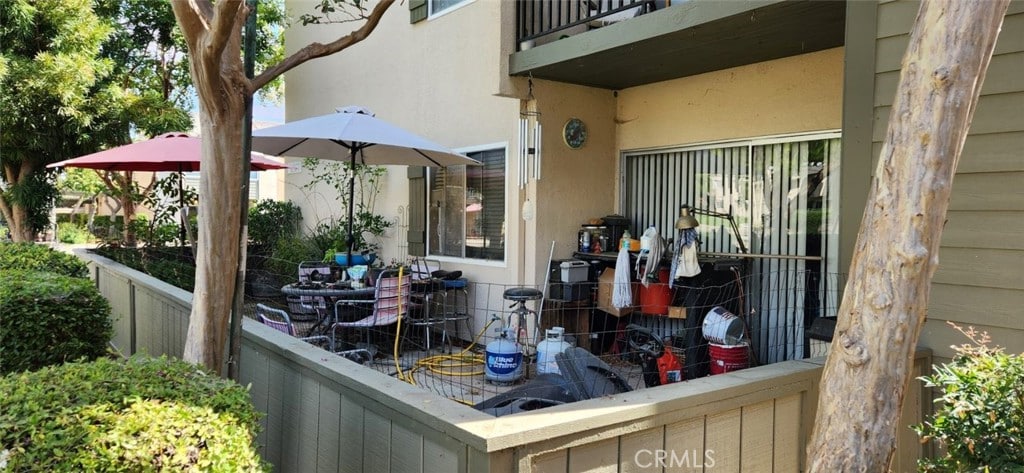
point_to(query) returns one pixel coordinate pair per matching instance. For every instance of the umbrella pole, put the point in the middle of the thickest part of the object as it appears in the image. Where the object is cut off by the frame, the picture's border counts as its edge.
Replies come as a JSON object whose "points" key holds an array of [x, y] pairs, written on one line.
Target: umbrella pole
{"points": [[351, 198], [181, 210]]}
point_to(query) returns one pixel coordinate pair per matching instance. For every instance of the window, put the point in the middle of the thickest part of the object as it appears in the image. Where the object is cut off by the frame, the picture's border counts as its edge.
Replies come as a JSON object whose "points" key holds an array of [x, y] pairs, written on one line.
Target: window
{"points": [[440, 6], [466, 210]]}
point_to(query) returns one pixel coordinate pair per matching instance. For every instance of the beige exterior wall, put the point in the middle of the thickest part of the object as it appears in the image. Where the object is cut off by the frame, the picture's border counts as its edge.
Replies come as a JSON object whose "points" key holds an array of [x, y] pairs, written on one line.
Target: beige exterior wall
{"points": [[792, 95], [438, 78]]}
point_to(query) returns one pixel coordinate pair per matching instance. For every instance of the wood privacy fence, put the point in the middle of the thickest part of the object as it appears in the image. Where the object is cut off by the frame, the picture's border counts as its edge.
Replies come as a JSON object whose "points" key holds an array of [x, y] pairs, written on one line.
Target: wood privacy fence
{"points": [[325, 413]]}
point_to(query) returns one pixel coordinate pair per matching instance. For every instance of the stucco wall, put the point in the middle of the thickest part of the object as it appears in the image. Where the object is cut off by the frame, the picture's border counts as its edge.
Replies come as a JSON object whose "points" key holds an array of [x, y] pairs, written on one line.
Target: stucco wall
{"points": [[437, 78], [791, 95]]}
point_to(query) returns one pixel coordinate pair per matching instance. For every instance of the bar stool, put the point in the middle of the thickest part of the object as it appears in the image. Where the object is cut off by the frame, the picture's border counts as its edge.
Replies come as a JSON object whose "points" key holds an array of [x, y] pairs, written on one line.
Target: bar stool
{"points": [[453, 288], [423, 297], [519, 295]]}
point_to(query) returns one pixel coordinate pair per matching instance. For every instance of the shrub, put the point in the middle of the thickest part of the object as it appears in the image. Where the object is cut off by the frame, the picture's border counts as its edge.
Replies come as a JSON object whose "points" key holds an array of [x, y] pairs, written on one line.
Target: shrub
{"points": [[29, 256], [169, 265], [141, 414], [68, 232], [270, 220], [980, 416], [49, 318], [289, 252]]}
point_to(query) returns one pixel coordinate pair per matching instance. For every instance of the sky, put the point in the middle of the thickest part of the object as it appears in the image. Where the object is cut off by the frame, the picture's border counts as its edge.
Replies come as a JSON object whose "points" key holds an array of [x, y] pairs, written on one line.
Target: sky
{"points": [[267, 112]]}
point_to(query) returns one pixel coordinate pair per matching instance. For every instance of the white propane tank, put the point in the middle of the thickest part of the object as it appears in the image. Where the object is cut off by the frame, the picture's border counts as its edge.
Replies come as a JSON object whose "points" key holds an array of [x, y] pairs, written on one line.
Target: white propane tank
{"points": [[552, 345], [503, 360]]}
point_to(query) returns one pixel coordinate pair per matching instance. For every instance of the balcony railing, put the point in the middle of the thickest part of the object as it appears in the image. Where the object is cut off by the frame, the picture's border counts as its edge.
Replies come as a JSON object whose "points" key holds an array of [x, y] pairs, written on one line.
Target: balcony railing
{"points": [[537, 18]]}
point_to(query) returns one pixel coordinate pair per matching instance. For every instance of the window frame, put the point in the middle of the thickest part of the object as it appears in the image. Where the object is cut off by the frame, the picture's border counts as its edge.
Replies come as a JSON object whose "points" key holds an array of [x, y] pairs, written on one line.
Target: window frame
{"points": [[430, 239], [431, 14]]}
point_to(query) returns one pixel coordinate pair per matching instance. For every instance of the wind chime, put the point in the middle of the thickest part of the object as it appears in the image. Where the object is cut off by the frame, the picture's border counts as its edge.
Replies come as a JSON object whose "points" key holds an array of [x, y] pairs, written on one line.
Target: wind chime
{"points": [[529, 139]]}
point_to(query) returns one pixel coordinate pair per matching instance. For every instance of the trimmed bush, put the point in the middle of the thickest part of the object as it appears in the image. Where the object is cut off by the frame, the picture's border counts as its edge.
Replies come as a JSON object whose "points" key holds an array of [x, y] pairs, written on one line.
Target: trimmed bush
{"points": [[49, 318], [41, 258], [68, 232], [979, 418], [141, 414]]}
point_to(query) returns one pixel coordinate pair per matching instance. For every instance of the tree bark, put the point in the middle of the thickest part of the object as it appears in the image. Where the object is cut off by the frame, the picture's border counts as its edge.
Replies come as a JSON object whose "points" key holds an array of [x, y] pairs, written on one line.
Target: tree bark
{"points": [[221, 86], [896, 254], [15, 213]]}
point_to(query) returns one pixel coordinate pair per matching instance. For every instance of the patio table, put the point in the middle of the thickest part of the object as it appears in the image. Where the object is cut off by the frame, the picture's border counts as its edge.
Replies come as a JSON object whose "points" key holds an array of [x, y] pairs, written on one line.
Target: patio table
{"points": [[330, 293]]}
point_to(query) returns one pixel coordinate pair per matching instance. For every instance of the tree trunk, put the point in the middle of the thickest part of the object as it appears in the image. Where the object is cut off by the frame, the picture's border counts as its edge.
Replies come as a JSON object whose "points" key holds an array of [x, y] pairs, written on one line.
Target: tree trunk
{"points": [[212, 31], [14, 212], [222, 87], [17, 224], [217, 247], [884, 307], [128, 230]]}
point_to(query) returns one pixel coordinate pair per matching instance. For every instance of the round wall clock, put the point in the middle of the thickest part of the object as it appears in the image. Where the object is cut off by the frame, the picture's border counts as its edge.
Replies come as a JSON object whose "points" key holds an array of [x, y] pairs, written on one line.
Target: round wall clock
{"points": [[574, 133]]}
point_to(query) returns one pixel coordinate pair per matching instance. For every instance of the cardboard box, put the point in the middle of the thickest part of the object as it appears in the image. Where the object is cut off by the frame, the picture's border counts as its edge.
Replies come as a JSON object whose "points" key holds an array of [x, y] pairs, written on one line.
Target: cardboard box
{"points": [[605, 289], [676, 312]]}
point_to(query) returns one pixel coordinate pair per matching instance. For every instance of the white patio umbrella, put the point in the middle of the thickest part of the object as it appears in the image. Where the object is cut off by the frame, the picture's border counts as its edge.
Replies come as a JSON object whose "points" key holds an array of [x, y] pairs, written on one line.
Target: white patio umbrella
{"points": [[368, 140]]}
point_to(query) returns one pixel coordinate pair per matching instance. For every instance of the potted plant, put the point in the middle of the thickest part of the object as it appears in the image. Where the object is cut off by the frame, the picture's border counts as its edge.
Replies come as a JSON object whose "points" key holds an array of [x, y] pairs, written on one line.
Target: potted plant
{"points": [[331, 235]]}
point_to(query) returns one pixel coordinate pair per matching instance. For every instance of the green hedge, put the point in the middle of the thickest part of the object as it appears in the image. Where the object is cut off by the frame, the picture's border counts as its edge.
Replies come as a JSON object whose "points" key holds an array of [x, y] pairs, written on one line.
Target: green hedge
{"points": [[69, 232], [49, 318], [167, 264], [142, 414], [41, 258]]}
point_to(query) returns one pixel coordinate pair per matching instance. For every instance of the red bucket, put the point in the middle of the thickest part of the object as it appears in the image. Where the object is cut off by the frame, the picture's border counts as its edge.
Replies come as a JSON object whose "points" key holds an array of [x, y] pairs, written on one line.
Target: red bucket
{"points": [[726, 358], [656, 296]]}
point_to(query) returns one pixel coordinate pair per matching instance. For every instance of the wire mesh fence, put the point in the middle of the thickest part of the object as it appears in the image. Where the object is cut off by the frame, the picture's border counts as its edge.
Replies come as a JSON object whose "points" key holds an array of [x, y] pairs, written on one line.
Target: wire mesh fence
{"points": [[475, 343], [508, 348]]}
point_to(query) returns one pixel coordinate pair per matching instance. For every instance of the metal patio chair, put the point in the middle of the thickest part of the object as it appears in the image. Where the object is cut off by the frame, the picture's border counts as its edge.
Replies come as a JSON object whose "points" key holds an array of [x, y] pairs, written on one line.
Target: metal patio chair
{"points": [[279, 320], [390, 301]]}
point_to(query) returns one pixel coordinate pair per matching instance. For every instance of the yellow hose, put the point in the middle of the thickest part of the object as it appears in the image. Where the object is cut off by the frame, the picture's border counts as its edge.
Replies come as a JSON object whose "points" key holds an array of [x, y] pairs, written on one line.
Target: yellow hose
{"points": [[398, 329], [446, 365]]}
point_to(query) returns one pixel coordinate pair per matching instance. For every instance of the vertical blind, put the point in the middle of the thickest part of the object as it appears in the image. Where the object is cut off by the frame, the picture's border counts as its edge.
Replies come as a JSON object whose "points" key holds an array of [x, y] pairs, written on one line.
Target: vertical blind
{"points": [[783, 196]]}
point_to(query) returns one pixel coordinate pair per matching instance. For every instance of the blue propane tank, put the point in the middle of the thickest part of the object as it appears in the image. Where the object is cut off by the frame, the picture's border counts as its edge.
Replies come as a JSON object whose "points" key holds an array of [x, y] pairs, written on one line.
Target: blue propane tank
{"points": [[504, 360]]}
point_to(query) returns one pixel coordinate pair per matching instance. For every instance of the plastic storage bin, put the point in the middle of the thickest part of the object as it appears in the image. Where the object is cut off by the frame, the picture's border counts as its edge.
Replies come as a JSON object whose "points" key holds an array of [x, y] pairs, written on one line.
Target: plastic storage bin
{"points": [[574, 271]]}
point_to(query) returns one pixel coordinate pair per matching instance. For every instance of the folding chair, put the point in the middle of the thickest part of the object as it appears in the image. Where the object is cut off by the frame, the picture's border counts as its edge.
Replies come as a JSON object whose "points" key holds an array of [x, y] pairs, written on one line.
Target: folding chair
{"points": [[390, 301], [307, 307], [279, 320]]}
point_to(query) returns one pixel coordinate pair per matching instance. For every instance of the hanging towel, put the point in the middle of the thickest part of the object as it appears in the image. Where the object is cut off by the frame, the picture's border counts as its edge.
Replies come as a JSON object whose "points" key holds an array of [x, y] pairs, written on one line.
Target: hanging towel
{"points": [[622, 296], [653, 257], [685, 264]]}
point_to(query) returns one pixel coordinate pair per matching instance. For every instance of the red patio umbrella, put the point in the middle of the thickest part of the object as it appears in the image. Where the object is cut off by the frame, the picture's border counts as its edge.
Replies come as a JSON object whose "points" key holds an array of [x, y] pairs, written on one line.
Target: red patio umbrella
{"points": [[176, 152], [173, 152]]}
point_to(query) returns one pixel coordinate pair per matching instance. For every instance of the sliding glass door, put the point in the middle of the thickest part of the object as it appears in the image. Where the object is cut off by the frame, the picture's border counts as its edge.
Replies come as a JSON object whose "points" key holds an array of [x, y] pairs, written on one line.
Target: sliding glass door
{"points": [[782, 195]]}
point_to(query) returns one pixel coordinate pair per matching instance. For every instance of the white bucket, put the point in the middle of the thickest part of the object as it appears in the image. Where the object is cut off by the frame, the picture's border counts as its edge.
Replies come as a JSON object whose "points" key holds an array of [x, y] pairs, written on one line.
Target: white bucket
{"points": [[722, 327]]}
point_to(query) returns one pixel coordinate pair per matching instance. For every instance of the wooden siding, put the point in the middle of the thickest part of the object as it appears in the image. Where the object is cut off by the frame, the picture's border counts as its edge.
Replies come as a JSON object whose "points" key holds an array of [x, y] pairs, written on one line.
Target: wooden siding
{"points": [[325, 413], [981, 262], [117, 290]]}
